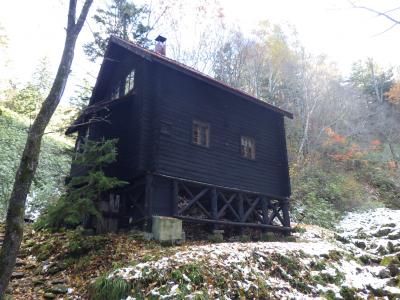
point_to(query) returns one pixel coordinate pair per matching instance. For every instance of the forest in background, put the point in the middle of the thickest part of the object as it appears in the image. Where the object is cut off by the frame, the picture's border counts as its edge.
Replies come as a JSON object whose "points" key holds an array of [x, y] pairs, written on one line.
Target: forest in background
{"points": [[343, 143]]}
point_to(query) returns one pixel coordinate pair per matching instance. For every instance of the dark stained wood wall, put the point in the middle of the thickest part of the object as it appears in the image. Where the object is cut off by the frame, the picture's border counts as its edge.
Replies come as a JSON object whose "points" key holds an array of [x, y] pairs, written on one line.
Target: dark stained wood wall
{"points": [[155, 129], [180, 99]]}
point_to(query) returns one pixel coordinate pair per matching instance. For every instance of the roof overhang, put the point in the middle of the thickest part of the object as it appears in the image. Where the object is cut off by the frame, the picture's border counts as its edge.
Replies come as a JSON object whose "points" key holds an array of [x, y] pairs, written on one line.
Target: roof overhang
{"points": [[161, 59]]}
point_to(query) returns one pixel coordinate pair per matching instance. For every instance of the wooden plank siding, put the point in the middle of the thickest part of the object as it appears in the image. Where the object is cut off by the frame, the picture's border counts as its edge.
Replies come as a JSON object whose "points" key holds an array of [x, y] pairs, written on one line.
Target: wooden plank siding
{"points": [[154, 128], [179, 99]]}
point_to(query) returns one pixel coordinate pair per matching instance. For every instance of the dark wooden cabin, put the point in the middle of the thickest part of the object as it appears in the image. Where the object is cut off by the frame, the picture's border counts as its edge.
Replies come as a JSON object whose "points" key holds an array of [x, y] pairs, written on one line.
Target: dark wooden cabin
{"points": [[190, 146]]}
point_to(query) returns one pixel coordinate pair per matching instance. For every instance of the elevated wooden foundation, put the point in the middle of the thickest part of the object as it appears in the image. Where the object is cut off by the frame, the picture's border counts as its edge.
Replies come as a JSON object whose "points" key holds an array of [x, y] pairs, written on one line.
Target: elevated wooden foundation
{"points": [[190, 201]]}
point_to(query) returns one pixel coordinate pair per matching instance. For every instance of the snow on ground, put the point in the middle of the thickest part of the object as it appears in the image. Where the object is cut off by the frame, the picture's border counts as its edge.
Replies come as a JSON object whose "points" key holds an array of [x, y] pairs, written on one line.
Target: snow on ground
{"points": [[362, 260]]}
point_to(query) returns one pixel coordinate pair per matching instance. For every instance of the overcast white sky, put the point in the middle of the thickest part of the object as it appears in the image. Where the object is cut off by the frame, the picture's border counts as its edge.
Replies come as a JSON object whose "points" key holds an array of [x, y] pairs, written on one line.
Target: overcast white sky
{"points": [[36, 29]]}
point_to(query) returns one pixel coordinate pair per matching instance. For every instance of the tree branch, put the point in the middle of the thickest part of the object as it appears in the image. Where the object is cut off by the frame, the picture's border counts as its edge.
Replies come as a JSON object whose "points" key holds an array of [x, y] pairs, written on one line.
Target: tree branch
{"points": [[378, 13], [71, 14], [83, 15]]}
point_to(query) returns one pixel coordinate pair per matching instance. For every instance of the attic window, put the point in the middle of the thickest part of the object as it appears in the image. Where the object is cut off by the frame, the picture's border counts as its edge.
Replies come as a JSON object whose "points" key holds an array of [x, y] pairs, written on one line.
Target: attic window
{"points": [[248, 147], [129, 82], [201, 133]]}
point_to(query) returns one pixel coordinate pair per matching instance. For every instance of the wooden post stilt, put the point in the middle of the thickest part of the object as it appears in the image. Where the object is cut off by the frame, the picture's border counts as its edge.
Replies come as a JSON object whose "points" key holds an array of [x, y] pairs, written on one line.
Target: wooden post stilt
{"points": [[148, 202], [285, 212], [174, 198], [214, 206]]}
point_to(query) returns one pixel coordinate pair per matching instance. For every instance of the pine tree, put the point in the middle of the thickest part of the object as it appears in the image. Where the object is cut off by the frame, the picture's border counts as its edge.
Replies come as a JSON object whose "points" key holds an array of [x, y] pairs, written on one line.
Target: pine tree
{"points": [[79, 202]]}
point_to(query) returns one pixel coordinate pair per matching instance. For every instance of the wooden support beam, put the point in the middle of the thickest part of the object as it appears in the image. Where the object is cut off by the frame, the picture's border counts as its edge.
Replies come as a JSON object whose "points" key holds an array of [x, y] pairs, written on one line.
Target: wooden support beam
{"points": [[241, 207], [220, 222], [193, 200], [174, 198], [148, 201], [205, 211], [285, 212], [228, 205], [264, 209], [214, 204], [186, 190], [251, 209]]}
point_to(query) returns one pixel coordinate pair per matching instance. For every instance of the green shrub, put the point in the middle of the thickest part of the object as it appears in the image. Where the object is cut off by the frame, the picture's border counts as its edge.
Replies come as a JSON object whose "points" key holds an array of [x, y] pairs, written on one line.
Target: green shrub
{"points": [[55, 160], [386, 184], [79, 202], [320, 197], [79, 244], [109, 288]]}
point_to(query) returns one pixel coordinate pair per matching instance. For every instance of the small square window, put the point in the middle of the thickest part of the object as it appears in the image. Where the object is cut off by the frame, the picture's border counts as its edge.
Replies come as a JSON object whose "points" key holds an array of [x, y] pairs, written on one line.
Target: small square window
{"points": [[201, 133], [248, 147]]}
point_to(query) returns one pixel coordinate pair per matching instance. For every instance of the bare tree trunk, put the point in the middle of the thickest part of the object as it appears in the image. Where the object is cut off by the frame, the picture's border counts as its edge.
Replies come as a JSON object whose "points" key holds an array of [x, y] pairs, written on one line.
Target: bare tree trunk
{"points": [[392, 151], [30, 156]]}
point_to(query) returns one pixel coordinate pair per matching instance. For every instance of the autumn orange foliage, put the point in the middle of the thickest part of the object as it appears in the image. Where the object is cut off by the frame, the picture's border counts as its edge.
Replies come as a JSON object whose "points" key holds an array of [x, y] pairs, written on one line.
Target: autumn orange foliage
{"points": [[349, 150], [394, 94], [336, 138]]}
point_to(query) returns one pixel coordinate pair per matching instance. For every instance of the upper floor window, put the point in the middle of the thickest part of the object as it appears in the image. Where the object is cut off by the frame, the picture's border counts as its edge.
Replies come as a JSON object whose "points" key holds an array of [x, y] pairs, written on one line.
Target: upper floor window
{"points": [[248, 147], [122, 88], [201, 133], [129, 82]]}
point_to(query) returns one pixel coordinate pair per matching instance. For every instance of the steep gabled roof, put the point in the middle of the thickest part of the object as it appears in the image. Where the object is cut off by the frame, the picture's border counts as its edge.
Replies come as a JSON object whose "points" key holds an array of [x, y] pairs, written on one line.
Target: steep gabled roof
{"points": [[161, 59]]}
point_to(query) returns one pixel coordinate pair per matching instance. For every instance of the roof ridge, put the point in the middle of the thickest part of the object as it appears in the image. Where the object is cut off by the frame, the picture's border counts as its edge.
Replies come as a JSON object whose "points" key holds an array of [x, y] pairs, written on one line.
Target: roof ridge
{"points": [[200, 75]]}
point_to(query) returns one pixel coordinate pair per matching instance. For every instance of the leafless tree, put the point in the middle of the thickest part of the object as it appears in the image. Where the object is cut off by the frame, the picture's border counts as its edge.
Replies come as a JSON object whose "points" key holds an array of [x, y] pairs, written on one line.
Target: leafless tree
{"points": [[387, 14], [30, 155]]}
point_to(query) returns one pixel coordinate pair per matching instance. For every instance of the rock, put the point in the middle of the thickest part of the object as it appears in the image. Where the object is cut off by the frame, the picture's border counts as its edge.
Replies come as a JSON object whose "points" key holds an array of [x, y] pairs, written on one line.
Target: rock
{"points": [[360, 244], [17, 275], [382, 232], [394, 270], [58, 289], [384, 273], [37, 282], [361, 235], [382, 250], [19, 263], [391, 247], [389, 225], [394, 236], [342, 239], [365, 259], [58, 281], [53, 269], [49, 296]]}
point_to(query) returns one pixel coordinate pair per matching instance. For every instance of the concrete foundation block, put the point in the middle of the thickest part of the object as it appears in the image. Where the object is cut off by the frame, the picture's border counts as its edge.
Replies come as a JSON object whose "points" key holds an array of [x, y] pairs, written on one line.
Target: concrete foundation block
{"points": [[166, 229]]}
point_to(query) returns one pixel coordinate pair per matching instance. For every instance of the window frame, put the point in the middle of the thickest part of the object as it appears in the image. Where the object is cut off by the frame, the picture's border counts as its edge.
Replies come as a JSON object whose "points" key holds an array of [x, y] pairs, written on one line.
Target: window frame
{"points": [[201, 125], [252, 152], [130, 81]]}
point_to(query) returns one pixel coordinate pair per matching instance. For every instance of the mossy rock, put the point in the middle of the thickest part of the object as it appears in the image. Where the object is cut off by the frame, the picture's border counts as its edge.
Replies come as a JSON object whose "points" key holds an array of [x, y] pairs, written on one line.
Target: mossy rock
{"points": [[58, 289], [360, 244], [389, 225], [49, 296], [394, 236], [389, 260], [383, 232], [341, 239]]}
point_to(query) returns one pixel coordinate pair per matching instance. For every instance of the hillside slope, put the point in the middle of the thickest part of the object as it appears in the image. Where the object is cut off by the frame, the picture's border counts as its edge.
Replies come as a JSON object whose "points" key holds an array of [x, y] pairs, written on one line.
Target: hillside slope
{"points": [[359, 261], [53, 164]]}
